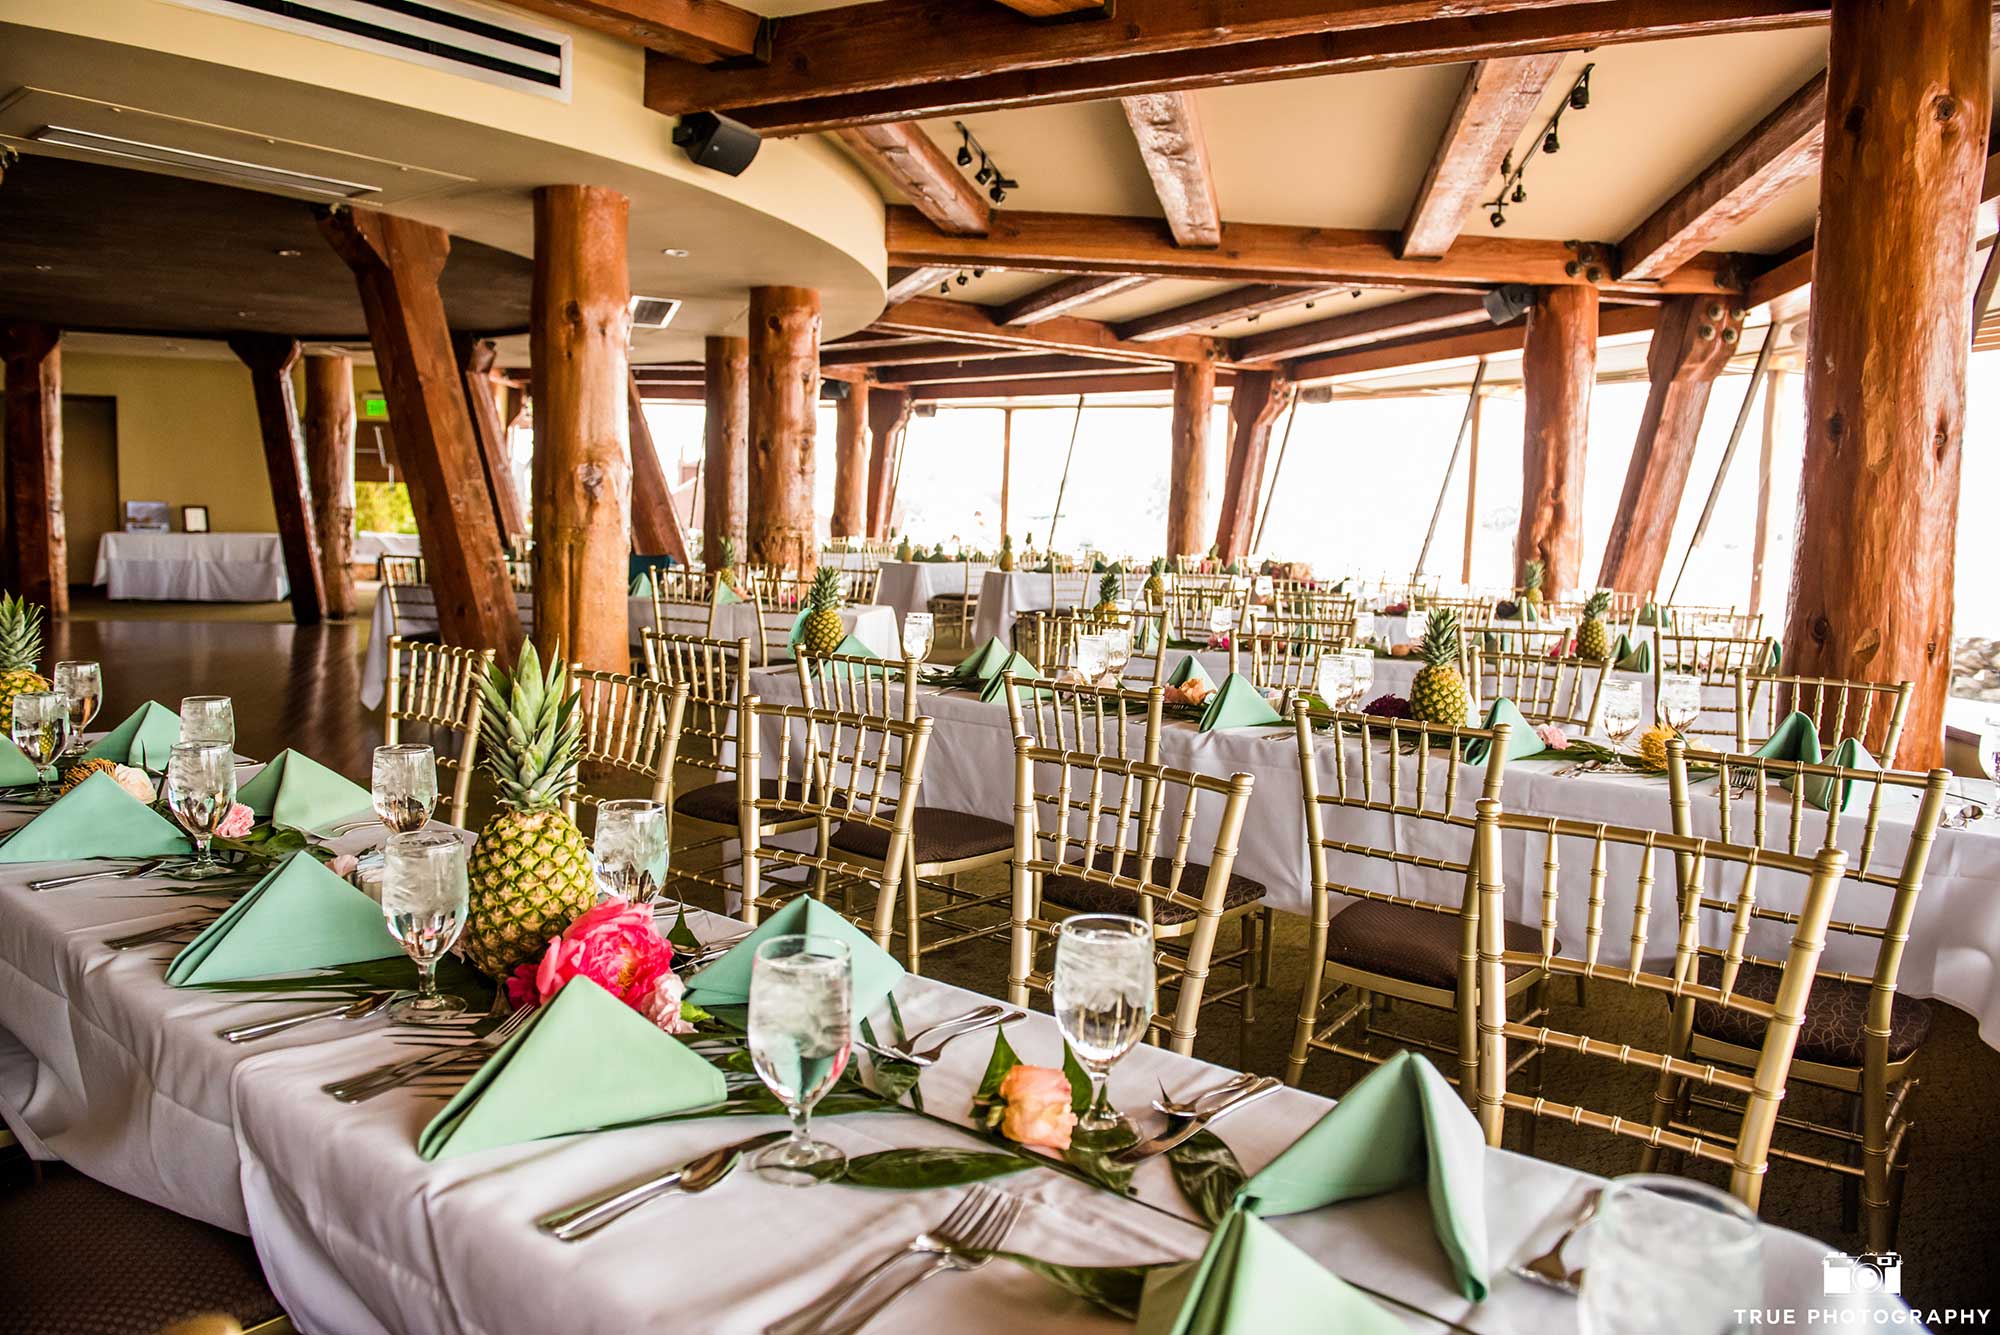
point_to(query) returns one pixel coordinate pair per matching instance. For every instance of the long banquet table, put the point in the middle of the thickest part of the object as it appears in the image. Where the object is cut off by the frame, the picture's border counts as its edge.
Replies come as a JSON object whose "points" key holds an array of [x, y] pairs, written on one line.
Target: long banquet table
{"points": [[1005, 594], [125, 1078], [909, 586], [192, 567]]}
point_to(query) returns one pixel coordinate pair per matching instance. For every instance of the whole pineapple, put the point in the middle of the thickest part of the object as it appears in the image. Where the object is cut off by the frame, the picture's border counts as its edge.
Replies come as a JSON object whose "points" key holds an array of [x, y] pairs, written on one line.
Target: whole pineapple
{"points": [[903, 548], [1438, 693], [726, 574], [529, 875], [1107, 597], [20, 650], [1006, 551], [823, 630], [1593, 637], [1531, 584], [1156, 582]]}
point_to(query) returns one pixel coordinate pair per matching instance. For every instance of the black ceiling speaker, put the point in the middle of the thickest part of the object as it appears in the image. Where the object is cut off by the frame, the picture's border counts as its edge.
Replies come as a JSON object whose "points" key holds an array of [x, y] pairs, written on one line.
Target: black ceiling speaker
{"points": [[717, 142], [1508, 302]]}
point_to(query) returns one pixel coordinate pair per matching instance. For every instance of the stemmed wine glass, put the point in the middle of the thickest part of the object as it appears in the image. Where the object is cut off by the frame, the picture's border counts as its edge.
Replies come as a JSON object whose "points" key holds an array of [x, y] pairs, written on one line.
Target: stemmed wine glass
{"points": [[1664, 1243], [919, 632], [1680, 699], [1091, 655], [1332, 680], [83, 684], [201, 788], [404, 784], [208, 718], [424, 893], [1621, 710], [801, 1035], [629, 848], [41, 730], [1103, 999], [1117, 652], [1360, 674]]}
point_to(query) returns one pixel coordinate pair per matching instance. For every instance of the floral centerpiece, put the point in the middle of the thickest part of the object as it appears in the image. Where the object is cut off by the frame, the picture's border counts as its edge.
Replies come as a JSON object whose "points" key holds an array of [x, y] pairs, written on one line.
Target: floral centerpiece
{"points": [[618, 946]]}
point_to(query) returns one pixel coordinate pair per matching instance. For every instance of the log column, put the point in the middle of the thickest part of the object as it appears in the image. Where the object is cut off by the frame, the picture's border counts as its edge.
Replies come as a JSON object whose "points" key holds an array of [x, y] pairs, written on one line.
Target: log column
{"points": [[580, 324], [784, 400], [1187, 474], [1900, 173], [270, 358], [1254, 404], [656, 525], [330, 472], [850, 463], [37, 550], [888, 420], [1558, 370], [725, 444], [482, 403], [396, 262]]}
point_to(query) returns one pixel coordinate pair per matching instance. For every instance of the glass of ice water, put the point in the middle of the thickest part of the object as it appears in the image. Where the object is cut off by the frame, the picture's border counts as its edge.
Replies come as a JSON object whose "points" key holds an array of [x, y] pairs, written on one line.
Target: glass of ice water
{"points": [[919, 632], [1103, 998], [1665, 1244], [41, 731], [201, 788], [629, 848], [1332, 680], [1621, 710], [404, 785], [1091, 656], [1117, 652], [1680, 699], [424, 900], [82, 683], [801, 1034], [1360, 674], [208, 718]]}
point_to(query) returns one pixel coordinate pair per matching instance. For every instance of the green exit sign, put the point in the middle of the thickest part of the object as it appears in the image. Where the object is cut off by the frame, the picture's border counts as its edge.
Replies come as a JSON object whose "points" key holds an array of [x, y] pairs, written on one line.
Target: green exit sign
{"points": [[374, 405]]}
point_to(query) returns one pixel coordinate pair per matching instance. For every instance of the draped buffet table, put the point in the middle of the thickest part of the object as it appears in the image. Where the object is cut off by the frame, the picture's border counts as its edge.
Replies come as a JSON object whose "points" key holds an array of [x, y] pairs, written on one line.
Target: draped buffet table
{"points": [[1004, 595], [909, 586], [193, 567]]}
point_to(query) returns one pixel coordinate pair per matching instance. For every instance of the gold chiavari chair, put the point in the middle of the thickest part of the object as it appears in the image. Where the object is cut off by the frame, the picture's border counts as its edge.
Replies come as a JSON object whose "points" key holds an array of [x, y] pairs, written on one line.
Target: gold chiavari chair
{"points": [[833, 771], [1399, 813], [684, 601], [1070, 587], [1567, 692], [859, 684], [1814, 879], [780, 598], [858, 584], [1859, 1035], [437, 687], [1284, 655], [1466, 609], [1193, 599], [1717, 660], [1049, 638], [1069, 716], [1297, 599], [1869, 711], [412, 603], [399, 569], [1546, 641], [1096, 833], [960, 609], [631, 728], [521, 575], [1711, 619]]}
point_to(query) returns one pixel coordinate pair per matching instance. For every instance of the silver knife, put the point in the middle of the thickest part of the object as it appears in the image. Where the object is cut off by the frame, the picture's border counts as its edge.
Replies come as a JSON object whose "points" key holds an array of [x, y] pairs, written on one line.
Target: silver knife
{"points": [[1160, 1144], [695, 1176]]}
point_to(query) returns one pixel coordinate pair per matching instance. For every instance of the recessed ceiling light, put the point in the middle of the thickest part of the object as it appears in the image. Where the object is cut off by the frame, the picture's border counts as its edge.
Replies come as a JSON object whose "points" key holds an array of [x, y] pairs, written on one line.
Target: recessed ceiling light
{"points": [[674, 253], [244, 315], [44, 268], [288, 253]]}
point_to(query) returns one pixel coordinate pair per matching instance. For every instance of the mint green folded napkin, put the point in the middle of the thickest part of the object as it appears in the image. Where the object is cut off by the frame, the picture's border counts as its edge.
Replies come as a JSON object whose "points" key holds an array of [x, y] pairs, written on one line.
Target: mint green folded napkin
{"points": [[585, 1062], [1773, 656], [1237, 704], [1401, 1125], [1529, 616], [1522, 739], [995, 686], [296, 792], [727, 981], [1797, 738], [978, 667], [641, 586], [144, 738], [1629, 657], [1653, 615], [724, 595], [15, 768], [1850, 754], [95, 819], [854, 648], [1190, 669], [299, 917]]}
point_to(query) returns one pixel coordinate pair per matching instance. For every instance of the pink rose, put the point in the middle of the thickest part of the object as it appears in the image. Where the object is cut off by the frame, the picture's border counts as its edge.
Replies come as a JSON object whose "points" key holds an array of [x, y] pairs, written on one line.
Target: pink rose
{"points": [[134, 781], [663, 1004], [1554, 738], [344, 865], [1038, 1107], [615, 945], [237, 823]]}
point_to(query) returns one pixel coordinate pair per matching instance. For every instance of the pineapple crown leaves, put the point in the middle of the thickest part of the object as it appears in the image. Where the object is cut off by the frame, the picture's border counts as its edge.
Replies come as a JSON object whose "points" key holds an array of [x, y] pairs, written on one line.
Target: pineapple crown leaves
{"points": [[824, 596], [20, 633], [1159, 566], [530, 731], [1594, 606], [1440, 647], [728, 552], [1107, 589], [1532, 578]]}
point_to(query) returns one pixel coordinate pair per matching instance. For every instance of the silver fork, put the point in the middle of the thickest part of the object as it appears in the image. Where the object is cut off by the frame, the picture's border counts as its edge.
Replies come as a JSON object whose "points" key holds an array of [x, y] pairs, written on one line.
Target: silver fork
{"points": [[975, 1251], [1174, 1107], [368, 1084], [1548, 1268]]}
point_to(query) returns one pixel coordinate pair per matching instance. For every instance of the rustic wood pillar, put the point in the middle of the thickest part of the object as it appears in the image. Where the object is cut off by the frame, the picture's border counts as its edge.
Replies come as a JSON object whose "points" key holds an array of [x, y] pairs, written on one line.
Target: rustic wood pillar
{"points": [[396, 262], [1254, 404], [36, 547], [850, 463], [1906, 121], [1471, 489], [475, 367], [1187, 473], [656, 524], [1006, 469], [330, 472], [725, 444], [1690, 346], [784, 401], [270, 358], [1558, 370], [579, 325], [1774, 381], [889, 421]]}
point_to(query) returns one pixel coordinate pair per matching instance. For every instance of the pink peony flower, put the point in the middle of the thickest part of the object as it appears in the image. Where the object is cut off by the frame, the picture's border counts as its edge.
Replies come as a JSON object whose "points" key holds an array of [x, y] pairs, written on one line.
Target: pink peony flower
{"points": [[1554, 738], [1038, 1107], [663, 1004], [344, 865], [615, 945], [134, 781], [239, 822]]}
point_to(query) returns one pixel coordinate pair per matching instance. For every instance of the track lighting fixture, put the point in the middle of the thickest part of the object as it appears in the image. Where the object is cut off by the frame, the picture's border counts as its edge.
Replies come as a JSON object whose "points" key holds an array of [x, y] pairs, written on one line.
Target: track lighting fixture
{"points": [[1520, 194], [1513, 190], [985, 172], [964, 145], [1551, 144], [962, 280], [1579, 93], [996, 181]]}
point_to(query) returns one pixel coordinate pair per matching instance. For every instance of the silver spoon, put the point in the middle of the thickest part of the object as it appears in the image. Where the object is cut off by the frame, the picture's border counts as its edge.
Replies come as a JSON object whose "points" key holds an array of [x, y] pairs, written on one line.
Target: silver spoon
{"points": [[358, 1009], [145, 868]]}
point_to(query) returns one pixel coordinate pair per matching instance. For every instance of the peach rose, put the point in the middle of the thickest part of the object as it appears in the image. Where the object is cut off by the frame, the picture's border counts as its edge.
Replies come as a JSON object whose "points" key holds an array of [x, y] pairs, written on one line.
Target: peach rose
{"points": [[1038, 1107], [134, 781], [239, 822]]}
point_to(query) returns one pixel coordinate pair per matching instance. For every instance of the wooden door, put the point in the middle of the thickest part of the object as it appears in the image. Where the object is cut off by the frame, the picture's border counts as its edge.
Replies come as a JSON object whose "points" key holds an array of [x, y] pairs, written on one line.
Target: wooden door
{"points": [[90, 478]]}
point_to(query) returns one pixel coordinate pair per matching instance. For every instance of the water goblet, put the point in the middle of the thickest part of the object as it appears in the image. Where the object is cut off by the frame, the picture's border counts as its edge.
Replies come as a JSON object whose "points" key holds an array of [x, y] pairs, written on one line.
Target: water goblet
{"points": [[1091, 656], [1331, 680], [1680, 699], [1360, 674], [404, 784], [801, 1035], [919, 632], [1103, 993], [208, 718], [1117, 652], [629, 848], [1621, 710], [424, 894], [1662, 1244], [201, 789], [82, 683], [1221, 621], [41, 731]]}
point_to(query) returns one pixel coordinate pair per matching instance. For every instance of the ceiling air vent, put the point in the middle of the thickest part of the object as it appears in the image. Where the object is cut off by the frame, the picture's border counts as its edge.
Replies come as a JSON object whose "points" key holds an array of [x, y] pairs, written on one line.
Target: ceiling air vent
{"points": [[235, 171], [653, 312], [480, 43]]}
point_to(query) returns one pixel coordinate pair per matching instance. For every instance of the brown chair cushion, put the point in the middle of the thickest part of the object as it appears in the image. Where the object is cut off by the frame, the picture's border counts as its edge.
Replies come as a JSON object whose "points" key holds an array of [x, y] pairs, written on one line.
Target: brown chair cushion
{"points": [[716, 802], [1414, 945], [1082, 896], [77, 1256], [1835, 1015], [940, 834]]}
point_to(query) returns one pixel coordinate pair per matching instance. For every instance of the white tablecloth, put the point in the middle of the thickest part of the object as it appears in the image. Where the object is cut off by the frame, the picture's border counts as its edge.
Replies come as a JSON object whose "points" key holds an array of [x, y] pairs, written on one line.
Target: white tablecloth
{"points": [[1004, 595], [193, 567], [909, 586], [104, 1064], [369, 546]]}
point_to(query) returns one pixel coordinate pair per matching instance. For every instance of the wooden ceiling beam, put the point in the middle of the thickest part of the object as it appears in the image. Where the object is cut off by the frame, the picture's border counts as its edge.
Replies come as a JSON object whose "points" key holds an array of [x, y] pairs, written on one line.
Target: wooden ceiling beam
{"points": [[1495, 103], [1446, 347], [702, 31], [1065, 296], [916, 282], [1060, 9], [919, 168], [913, 352], [910, 59], [1238, 303], [1265, 252], [1781, 151], [1112, 382], [1028, 367], [1402, 319], [1170, 139], [975, 324]]}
